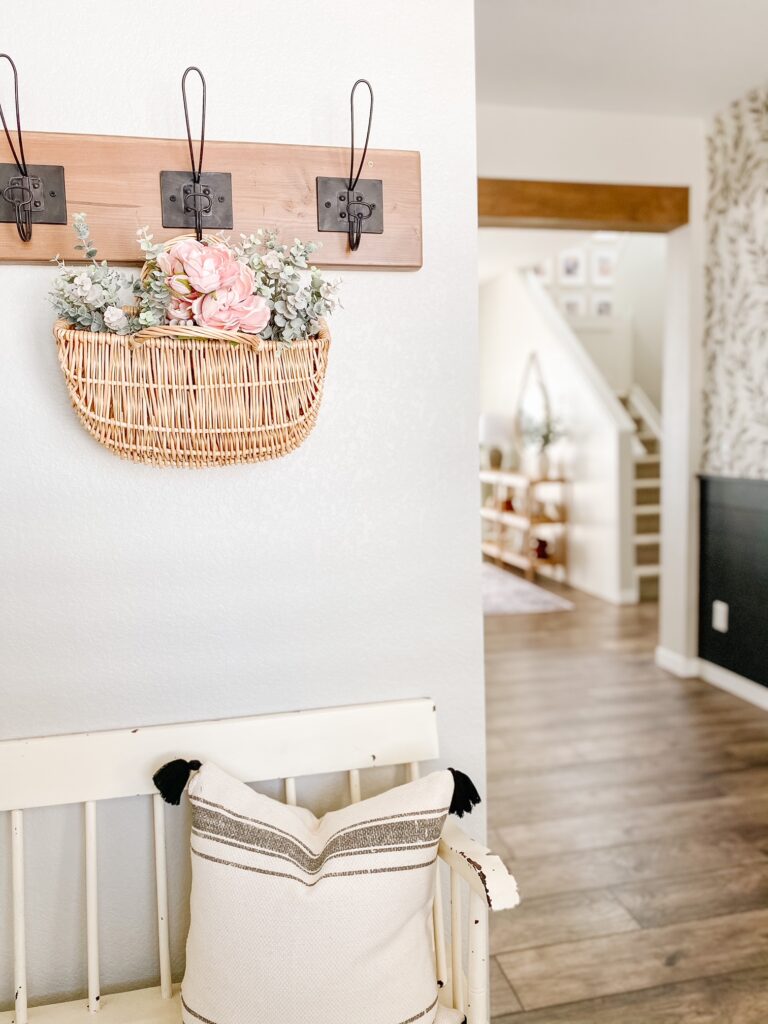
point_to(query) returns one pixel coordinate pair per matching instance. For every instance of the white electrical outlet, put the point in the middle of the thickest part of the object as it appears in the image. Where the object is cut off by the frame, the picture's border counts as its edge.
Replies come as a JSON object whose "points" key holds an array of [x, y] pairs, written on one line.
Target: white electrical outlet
{"points": [[720, 616]]}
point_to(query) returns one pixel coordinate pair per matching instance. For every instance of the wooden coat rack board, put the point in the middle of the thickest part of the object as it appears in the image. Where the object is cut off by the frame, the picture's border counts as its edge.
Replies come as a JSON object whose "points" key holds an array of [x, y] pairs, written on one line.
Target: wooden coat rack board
{"points": [[116, 181]]}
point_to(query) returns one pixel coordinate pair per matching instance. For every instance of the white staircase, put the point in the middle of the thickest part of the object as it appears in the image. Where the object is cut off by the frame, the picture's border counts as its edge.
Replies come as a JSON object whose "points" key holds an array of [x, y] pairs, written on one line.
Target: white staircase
{"points": [[647, 490]]}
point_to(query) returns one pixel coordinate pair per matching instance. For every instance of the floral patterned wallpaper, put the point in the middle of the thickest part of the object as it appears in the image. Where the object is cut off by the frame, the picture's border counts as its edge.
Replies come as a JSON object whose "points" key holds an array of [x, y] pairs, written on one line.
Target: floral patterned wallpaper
{"points": [[736, 311]]}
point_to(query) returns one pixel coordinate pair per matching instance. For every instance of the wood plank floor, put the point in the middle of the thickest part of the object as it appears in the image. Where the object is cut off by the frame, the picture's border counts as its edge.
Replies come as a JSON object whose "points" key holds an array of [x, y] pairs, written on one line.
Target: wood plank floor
{"points": [[632, 808]]}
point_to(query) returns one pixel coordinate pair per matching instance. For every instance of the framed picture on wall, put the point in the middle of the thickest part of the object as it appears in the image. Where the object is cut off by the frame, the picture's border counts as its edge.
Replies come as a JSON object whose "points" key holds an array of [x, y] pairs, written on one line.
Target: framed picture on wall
{"points": [[571, 269], [602, 304], [603, 269], [543, 271], [574, 304]]}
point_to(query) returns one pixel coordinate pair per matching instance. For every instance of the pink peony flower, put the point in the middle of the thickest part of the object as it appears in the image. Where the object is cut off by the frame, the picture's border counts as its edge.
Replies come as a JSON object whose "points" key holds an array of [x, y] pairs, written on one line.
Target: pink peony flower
{"points": [[209, 286], [173, 261], [179, 285], [209, 268], [235, 307], [172, 264], [180, 307], [190, 266]]}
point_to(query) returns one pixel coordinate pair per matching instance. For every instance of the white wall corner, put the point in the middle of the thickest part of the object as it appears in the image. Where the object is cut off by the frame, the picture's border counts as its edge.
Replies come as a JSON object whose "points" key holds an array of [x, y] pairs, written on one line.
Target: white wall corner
{"points": [[677, 664]]}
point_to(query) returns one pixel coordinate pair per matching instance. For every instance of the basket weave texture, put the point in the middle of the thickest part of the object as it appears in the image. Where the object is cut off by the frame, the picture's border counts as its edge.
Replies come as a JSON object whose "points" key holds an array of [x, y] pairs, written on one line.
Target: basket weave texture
{"points": [[193, 401]]}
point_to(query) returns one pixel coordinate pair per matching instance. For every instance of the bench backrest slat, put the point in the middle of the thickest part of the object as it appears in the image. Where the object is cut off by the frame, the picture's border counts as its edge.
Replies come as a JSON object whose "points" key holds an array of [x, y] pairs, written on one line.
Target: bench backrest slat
{"points": [[94, 766]]}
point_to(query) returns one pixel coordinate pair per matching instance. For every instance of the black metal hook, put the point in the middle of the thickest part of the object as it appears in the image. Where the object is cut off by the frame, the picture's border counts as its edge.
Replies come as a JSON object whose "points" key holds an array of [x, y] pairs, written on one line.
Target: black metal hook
{"points": [[196, 201], [355, 219], [19, 191]]}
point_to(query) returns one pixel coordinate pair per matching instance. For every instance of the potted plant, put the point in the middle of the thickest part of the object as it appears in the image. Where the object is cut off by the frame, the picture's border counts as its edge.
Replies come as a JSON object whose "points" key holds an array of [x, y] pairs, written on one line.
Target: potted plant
{"points": [[539, 435]]}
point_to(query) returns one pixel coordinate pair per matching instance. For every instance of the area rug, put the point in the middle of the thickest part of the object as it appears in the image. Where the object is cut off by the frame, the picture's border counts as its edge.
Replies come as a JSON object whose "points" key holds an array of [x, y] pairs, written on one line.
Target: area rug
{"points": [[504, 593]]}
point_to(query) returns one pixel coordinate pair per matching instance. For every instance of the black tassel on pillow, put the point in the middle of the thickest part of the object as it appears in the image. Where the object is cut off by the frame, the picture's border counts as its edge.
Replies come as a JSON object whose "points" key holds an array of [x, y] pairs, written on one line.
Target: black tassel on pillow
{"points": [[173, 777], [465, 796]]}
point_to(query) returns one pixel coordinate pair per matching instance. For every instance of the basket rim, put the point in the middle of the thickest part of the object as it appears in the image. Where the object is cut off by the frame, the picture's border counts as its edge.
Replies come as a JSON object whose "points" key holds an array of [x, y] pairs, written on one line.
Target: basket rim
{"points": [[63, 329]]}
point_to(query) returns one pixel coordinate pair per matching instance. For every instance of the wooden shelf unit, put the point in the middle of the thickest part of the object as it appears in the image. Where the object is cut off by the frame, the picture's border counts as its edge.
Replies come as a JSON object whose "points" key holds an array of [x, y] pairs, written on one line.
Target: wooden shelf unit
{"points": [[526, 522]]}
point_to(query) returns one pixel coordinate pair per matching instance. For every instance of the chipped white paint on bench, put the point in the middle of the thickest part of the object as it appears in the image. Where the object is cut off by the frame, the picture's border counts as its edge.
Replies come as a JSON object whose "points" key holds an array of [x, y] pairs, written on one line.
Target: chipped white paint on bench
{"points": [[89, 767]]}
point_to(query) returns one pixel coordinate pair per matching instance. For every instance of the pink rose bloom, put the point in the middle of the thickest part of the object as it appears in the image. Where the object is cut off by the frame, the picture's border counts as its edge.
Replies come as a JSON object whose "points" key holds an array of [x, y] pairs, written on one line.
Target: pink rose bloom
{"points": [[234, 308], [182, 294], [209, 268], [173, 261], [179, 285], [180, 307]]}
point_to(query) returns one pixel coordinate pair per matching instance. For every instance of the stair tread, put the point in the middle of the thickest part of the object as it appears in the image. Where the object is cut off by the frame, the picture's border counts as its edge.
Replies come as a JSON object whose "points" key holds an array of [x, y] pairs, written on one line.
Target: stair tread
{"points": [[647, 538], [647, 570], [647, 510], [647, 481], [648, 457]]}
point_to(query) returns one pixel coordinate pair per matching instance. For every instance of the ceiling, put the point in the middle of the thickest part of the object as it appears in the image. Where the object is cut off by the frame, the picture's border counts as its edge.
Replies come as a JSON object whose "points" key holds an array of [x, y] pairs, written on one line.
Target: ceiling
{"points": [[679, 57]]}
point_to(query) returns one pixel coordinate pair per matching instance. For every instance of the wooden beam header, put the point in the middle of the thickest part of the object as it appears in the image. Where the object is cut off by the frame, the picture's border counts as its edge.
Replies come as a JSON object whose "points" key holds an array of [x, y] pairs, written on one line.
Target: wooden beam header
{"points": [[115, 180], [580, 206]]}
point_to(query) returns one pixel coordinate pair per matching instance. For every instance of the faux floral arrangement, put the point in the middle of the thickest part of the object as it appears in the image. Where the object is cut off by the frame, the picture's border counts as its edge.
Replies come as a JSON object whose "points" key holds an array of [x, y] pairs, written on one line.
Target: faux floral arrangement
{"points": [[199, 284], [258, 287], [91, 297]]}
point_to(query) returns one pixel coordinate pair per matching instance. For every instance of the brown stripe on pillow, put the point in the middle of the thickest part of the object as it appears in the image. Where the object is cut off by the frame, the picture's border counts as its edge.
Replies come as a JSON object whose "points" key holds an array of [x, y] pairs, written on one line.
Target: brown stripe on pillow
{"points": [[404, 833], [195, 1014], [410, 1020], [310, 885], [423, 1013], [366, 821], [278, 856]]}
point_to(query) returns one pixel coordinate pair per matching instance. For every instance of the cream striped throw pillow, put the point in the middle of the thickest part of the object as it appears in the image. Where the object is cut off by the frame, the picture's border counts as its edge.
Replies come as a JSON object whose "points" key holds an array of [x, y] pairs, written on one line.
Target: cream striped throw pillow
{"points": [[297, 919]]}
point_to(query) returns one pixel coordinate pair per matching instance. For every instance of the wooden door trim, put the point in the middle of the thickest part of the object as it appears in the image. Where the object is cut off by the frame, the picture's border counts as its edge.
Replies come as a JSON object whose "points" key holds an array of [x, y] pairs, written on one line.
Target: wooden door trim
{"points": [[513, 202]]}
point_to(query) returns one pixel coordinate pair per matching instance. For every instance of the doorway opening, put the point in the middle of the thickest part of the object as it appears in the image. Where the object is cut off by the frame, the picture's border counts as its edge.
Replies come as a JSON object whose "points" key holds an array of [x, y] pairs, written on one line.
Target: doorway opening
{"points": [[574, 324]]}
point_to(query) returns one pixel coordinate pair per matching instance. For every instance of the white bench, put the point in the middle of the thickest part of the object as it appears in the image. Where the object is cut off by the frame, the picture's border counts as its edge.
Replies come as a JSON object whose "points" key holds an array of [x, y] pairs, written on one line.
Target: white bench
{"points": [[89, 767]]}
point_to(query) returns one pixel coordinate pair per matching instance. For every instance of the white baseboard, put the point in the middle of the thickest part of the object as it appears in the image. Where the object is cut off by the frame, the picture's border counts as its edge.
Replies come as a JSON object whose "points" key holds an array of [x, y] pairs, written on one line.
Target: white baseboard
{"points": [[677, 664], [692, 668], [738, 685]]}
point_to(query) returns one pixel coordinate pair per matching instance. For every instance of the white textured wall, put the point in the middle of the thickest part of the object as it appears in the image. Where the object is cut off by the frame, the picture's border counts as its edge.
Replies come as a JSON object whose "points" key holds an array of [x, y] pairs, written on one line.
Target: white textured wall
{"points": [[640, 292], [346, 572], [563, 145]]}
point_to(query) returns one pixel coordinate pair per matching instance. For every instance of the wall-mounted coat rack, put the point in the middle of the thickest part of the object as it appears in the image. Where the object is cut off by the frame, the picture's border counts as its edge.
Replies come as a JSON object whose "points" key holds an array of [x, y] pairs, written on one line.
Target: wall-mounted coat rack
{"points": [[115, 181]]}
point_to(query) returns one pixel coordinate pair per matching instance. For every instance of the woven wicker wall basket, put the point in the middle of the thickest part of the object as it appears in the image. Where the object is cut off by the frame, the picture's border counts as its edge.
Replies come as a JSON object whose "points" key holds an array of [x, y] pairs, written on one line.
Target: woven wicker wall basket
{"points": [[173, 400]]}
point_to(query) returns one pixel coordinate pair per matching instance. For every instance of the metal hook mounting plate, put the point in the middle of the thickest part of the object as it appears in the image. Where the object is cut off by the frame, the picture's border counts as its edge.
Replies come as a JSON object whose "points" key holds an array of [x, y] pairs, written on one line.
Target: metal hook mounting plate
{"points": [[178, 196], [334, 203], [45, 183]]}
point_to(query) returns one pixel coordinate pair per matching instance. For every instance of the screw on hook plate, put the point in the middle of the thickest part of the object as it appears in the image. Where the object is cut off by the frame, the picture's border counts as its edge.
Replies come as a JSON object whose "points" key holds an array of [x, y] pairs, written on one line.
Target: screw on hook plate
{"points": [[367, 200], [180, 196], [45, 182]]}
